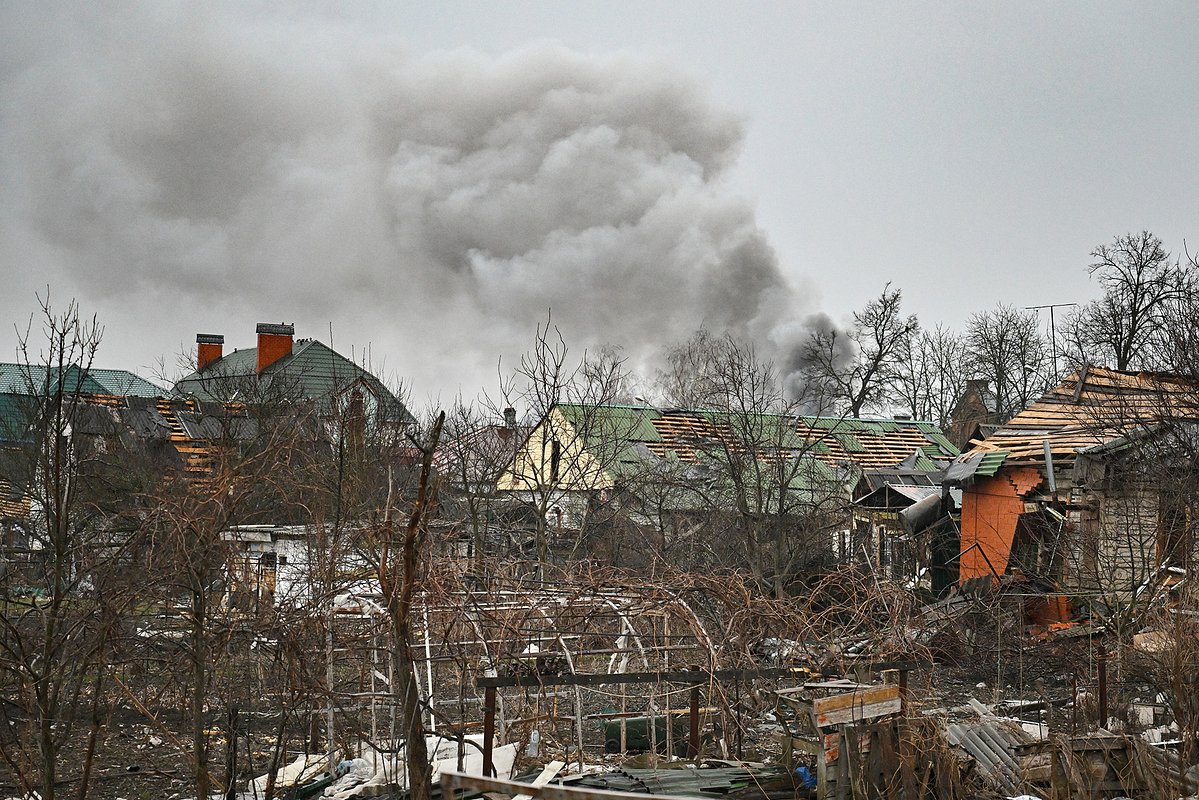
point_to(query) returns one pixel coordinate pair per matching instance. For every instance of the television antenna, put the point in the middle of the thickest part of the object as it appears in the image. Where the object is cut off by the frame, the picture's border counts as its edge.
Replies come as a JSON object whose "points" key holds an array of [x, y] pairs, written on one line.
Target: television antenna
{"points": [[1052, 327]]}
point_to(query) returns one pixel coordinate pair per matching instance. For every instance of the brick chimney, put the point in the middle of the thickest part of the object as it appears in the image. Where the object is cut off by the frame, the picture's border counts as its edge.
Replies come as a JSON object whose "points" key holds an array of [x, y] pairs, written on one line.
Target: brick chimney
{"points": [[274, 342], [209, 347]]}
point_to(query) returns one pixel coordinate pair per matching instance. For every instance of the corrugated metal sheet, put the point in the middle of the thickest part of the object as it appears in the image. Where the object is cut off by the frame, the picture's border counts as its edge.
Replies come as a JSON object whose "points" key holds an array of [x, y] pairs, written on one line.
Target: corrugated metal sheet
{"points": [[849, 442], [634, 423], [992, 744], [975, 463], [123, 383], [991, 462], [916, 492], [39, 379]]}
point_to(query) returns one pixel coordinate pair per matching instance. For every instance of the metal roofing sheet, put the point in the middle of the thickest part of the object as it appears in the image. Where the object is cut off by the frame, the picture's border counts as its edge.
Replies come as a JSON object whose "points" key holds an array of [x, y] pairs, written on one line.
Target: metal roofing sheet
{"points": [[630, 422], [976, 462], [126, 384], [707, 782], [37, 378], [849, 442], [992, 744], [916, 492], [991, 462], [312, 370]]}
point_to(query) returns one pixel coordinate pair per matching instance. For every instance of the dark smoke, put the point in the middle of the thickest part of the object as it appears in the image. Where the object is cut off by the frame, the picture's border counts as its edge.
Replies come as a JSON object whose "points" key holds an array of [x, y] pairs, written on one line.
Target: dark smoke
{"points": [[188, 168]]}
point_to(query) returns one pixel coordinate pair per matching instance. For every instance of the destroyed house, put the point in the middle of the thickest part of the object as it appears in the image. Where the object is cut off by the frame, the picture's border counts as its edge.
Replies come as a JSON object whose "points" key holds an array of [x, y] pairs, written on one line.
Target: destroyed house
{"points": [[472, 453], [1091, 487], [472, 514], [21, 385], [695, 461], [282, 369], [903, 521], [100, 411]]}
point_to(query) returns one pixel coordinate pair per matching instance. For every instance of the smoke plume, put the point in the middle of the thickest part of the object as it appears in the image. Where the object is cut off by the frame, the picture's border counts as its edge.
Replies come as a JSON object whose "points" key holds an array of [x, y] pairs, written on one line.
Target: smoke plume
{"points": [[188, 168]]}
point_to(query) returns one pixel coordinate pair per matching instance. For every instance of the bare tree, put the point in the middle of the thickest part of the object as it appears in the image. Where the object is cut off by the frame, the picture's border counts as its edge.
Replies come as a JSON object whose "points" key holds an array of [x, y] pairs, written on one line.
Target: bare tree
{"points": [[857, 367], [688, 380], [1005, 346], [476, 447], [63, 604], [251, 450], [769, 504], [1140, 281], [577, 441], [930, 379], [400, 560]]}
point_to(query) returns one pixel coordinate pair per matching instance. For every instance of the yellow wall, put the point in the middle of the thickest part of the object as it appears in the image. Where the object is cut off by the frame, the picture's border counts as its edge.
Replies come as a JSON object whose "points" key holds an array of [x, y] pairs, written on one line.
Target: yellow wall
{"points": [[578, 470]]}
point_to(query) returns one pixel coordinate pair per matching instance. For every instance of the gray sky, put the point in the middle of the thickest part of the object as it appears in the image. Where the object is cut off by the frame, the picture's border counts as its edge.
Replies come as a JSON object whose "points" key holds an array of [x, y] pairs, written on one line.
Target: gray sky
{"points": [[428, 178]]}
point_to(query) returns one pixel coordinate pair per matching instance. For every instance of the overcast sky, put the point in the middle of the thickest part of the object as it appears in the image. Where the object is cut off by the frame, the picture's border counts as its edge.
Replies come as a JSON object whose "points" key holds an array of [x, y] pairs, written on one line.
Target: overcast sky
{"points": [[426, 179]]}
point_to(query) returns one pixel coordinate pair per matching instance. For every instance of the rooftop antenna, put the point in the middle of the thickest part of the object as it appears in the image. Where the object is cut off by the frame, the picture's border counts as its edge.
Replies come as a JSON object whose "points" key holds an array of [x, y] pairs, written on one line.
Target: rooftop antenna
{"points": [[1052, 328]]}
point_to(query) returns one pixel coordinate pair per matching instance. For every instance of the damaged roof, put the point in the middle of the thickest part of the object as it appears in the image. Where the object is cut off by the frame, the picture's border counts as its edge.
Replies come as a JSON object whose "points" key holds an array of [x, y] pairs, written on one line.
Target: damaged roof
{"points": [[689, 435], [873, 443], [1093, 407]]}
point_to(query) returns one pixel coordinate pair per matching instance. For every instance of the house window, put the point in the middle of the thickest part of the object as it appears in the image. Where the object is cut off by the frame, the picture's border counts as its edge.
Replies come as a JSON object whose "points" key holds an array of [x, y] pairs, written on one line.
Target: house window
{"points": [[555, 460], [1173, 532]]}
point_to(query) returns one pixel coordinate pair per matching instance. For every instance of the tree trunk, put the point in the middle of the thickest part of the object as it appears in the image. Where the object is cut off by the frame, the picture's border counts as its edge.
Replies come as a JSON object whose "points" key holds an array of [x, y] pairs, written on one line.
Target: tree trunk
{"points": [[199, 681], [399, 603], [93, 732]]}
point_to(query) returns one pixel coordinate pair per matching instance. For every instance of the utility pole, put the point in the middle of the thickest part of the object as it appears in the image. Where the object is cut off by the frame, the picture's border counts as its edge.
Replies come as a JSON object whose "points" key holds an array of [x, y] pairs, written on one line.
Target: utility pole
{"points": [[1052, 328]]}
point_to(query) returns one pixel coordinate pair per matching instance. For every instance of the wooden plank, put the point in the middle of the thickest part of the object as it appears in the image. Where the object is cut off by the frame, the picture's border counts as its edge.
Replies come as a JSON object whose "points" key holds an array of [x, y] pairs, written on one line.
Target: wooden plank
{"points": [[550, 772], [856, 706], [454, 782], [804, 746]]}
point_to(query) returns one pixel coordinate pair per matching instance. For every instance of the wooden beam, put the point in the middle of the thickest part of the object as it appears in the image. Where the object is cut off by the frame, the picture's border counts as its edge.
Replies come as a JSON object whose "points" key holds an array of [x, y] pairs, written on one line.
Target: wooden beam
{"points": [[548, 774], [856, 706]]}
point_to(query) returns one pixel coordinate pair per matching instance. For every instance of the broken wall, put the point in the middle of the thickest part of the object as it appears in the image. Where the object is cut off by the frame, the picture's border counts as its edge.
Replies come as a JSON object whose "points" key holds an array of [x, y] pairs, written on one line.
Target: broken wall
{"points": [[991, 509]]}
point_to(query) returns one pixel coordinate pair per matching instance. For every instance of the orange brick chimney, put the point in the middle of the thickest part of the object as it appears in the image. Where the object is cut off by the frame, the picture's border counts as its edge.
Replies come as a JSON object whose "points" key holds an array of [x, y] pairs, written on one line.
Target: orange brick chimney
{"points": [[209, 347], [274, 342]]}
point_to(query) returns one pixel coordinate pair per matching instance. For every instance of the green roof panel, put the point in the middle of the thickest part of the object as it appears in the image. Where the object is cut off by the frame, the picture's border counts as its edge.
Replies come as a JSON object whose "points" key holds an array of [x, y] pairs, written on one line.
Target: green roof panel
{"points": [[991, 462]]}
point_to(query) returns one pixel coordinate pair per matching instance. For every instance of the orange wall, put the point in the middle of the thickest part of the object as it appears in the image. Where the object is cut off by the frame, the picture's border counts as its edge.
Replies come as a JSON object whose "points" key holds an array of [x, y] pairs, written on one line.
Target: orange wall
{"points": [[990, 509]]}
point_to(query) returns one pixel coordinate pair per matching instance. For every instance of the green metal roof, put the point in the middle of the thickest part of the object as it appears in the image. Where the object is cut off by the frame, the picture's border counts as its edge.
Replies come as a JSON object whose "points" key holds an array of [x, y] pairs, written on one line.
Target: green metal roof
{"points": [[631, 422], [15, 416], [20, 382], [126, 384], [991, 462], [35, 379], [24, 379], [313, 371], [849, 442], [772, 429], [875, 426], [924, 463], [618, 436]]}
